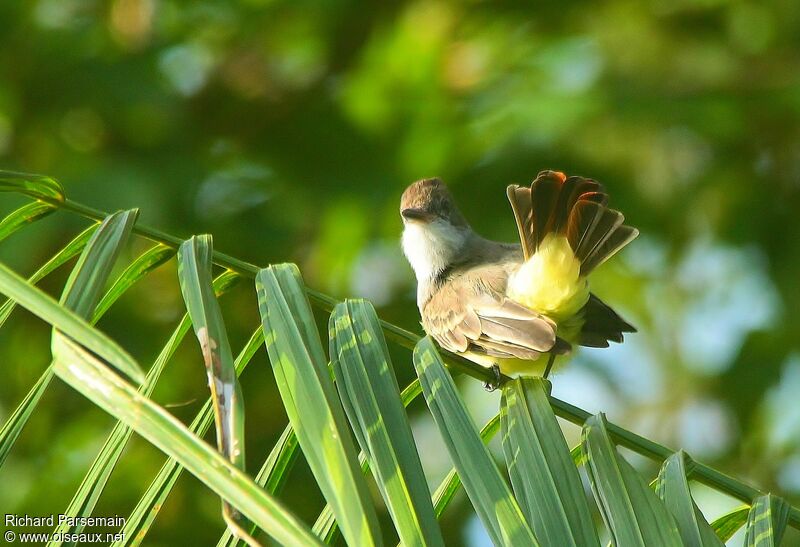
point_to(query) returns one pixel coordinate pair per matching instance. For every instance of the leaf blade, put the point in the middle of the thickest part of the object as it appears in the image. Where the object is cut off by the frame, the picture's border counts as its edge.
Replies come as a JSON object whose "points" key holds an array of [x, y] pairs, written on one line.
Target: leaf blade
{"points": [[71, 249], [673, 488], [149, 505], [490, 495], [730, 523], [36, 186], [371, 398], [632, 511], [325, 525], [43, 306], [89, 491], [766, 522], [27, 214], [194, 273], [112, 393], [272, 473], [544, 477], [307, 390], [101, 251]]}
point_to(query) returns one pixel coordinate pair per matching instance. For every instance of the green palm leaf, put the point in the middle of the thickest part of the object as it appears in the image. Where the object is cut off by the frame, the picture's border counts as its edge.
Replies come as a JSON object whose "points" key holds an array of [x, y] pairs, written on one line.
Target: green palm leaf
{"points": [[96, 478], [26, 214], [90, 274], [272, 475], [80, 295], [71, 249], [632, 511], [544, 477], [325, 525], [451, 483], [43, 306], [766, 522], [371, 397], [673, 488], [730, 523], [309, 397], [194, 272], [36, 186], [490, 495], [143, 515], [86, 374]]}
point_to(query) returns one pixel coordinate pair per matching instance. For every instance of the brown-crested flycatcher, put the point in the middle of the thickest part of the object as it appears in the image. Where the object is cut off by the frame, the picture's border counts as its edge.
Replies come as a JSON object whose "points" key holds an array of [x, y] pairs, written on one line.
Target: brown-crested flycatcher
{"points": [[503, 305]]}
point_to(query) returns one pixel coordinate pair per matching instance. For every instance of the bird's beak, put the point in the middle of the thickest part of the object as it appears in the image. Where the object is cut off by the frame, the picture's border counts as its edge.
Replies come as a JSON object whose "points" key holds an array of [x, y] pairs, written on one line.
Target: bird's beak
{"points": [[417, 215]]}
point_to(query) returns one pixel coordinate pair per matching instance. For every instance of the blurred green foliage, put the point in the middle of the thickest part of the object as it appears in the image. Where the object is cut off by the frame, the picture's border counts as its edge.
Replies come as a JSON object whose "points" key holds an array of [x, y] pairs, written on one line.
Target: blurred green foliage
{"points": [[289, 129]]}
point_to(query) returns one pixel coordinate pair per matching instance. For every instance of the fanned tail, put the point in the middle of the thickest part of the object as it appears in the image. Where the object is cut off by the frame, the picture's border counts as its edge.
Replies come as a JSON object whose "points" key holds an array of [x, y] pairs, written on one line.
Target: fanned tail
{"points": [[574, 207]]}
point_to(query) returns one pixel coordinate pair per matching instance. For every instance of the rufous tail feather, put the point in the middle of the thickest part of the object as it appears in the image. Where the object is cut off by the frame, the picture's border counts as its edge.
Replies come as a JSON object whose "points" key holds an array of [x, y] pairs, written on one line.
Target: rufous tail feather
{"points": [[572, 206]]}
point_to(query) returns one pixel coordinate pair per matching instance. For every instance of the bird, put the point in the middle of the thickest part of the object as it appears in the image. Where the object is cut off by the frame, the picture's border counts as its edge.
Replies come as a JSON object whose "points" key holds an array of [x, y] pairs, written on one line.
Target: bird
{"points": [[505, 305]]}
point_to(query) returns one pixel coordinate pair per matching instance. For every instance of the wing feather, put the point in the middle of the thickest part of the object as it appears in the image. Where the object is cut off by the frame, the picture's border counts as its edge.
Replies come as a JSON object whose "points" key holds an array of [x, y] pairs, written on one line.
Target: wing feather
{"points": [[462, 318], [506, 351]]}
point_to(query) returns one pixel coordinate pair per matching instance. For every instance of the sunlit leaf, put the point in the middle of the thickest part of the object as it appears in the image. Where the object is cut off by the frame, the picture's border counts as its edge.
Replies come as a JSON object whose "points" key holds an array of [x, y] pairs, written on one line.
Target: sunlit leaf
{"points": [[307, 390], [81, 370], [70, 250], [95, 480], [272, 475], [37, 186], [371, 397], [26, 214], [730, 523], [673, 488], [631, 510], [149, 505], [447, 489], [325, 525], [94, 266], [43, 306], [545, 479], [766, 522], [16, 422], [488, 492], [450, 485], [194, 272], [80, 295]]}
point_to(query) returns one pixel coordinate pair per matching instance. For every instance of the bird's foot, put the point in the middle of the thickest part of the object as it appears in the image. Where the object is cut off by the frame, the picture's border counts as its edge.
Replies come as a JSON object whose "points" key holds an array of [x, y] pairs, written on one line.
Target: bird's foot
{"points": [[494, 383]]}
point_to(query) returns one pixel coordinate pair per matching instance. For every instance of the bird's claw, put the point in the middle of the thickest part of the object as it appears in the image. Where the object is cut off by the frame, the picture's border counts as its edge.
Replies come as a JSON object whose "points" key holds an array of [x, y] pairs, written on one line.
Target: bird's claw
{"points": [[494, 383]]}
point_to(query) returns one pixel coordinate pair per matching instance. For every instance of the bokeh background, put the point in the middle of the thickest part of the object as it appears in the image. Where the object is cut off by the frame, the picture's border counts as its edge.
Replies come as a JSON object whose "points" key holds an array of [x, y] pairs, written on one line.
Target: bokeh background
{"points": [[288, 130]]}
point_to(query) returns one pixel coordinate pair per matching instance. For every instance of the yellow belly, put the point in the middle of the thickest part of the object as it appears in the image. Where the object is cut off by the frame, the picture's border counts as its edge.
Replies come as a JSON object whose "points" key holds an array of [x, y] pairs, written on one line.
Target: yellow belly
{"points": [[550, 283], [513, 366]]}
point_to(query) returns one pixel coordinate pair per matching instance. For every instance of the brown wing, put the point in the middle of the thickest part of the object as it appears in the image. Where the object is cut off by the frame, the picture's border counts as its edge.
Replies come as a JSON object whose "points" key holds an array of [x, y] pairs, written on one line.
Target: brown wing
{"points": [[463, 318]]}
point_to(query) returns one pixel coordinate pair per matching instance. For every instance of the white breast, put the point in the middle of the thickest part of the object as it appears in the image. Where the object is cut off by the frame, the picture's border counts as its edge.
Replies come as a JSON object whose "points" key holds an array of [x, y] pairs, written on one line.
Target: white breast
{"points": [[431, 247]]}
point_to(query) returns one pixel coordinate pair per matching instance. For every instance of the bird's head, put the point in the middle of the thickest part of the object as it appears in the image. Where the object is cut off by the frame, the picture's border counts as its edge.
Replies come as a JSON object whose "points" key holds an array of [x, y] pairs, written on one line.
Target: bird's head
{"points": [[427, 201], [434, 230]]}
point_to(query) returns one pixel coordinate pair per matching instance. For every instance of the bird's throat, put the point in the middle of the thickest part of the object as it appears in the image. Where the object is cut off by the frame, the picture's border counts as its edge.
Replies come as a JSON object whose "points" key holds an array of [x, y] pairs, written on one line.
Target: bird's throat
{"points": [[432, 247]]}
